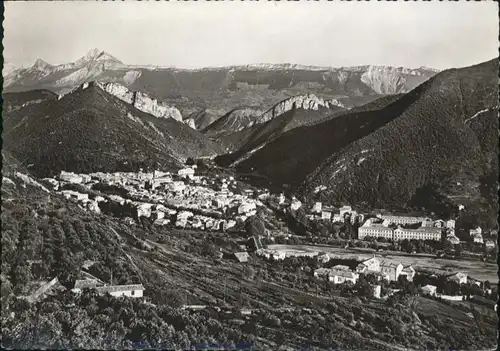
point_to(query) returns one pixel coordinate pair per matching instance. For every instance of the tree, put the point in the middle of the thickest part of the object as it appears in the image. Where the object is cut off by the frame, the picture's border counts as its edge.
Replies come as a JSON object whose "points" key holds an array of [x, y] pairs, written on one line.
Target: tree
{"points": [[254, 227], [249, 272]]}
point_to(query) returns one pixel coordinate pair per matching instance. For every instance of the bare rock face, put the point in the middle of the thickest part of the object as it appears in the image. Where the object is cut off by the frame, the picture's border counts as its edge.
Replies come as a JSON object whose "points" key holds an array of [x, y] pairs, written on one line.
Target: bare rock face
{"points": [[131, 76], [306, 102], [142, 101], [190, 122], [389, 80]]}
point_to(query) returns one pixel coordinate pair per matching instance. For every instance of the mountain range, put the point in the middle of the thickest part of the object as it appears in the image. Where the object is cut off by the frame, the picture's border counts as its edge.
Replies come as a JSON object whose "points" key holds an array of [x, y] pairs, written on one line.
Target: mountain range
{"points": [[377, 136], [217, 91]]}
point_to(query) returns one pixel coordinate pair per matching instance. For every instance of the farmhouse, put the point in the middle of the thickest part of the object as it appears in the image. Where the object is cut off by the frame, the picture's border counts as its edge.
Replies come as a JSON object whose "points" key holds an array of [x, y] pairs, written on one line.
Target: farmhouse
{"points": [[186, 173], [392, 269], [459, 277], [242, 256], [317, 208], [476, 231], [135, 290], [370, 265], [429, 290], [478, 238], [408, 272]]}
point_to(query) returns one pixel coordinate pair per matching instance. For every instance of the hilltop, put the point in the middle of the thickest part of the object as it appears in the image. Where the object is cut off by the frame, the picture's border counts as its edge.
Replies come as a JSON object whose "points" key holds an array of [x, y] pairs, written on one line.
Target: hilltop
{"points": [[13, 101], [89, 129], [243, 130], [441, 135]]}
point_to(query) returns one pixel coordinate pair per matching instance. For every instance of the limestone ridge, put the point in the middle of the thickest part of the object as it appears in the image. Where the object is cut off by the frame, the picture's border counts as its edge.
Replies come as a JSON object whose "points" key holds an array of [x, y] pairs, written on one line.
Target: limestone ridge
{"points": [[306, 102], [139, 100]]}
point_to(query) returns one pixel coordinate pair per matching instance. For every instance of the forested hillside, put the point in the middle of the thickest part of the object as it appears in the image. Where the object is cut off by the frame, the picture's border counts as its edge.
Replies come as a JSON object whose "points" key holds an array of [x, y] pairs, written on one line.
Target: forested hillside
{"points": [[90, 130], [45, 236], [440, 135]]}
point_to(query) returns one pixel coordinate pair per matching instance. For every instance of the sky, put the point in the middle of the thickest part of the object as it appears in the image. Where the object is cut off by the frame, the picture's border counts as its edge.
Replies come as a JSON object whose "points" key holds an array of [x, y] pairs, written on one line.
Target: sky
{"points": [[202, 34]]}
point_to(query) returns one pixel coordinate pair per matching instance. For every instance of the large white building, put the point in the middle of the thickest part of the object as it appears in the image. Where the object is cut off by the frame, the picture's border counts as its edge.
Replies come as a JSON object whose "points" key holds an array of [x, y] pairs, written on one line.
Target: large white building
{"points": [[375, 230], [403, 220], [382, 230], [422, 233]]}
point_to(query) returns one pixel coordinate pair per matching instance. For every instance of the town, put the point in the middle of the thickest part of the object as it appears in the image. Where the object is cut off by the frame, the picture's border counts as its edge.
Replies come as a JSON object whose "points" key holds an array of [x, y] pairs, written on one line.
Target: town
{"points": [[186, 200]]}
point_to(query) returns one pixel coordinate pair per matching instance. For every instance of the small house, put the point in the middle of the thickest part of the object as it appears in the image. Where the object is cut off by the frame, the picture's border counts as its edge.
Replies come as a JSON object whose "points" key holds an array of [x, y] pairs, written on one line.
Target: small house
{"points": [[392, 269], [242, 256], [459, 278], [429, 290], [408, 272], [135, 290], [370, 265]]}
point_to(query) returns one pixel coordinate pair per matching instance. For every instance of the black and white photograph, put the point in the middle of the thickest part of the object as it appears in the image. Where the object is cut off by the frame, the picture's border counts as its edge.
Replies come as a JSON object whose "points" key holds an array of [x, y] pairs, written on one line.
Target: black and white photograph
{"points": [[250, 175]]}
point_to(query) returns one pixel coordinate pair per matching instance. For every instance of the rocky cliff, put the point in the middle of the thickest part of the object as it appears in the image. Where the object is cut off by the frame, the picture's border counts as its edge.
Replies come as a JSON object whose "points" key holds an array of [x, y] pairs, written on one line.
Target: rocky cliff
{"points": [[305, 102], [142, 101]]}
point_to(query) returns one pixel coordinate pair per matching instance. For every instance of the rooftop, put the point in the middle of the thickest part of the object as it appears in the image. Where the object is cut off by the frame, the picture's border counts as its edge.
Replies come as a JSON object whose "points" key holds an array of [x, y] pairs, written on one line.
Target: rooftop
{"points": [[115, 288]]}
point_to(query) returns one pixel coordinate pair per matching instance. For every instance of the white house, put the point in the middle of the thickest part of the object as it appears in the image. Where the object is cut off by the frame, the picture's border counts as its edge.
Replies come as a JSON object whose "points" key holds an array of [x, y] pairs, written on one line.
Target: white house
{"points": [[70, 177], [317, 207], [337, 276], [427, 222], [281, 199], [439, 223], [429, 290], [450, 223], [370, 265], [392, 269], [186, 172], [323, 258], [246, 207], [135, 290], [459, 277], [453, 239], [326, 214], [296, 204], [473, 232], [345, 209], [342, 276], [489, 244], [478, 238], [408, 272]]}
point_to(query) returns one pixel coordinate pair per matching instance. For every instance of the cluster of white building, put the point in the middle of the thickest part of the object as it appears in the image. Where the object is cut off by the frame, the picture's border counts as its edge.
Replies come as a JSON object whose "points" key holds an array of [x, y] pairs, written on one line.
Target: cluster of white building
{"points": [[382, 270], [335, 215], [168, 198]]}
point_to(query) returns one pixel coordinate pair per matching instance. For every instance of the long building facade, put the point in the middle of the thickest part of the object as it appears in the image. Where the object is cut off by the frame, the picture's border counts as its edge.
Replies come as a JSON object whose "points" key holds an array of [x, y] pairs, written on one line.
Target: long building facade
{"points": [[382, 230]]}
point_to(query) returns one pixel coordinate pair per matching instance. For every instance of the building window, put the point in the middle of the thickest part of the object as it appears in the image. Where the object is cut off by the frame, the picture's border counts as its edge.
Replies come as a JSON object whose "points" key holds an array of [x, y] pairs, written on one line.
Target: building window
{"points": [[132, 293]]}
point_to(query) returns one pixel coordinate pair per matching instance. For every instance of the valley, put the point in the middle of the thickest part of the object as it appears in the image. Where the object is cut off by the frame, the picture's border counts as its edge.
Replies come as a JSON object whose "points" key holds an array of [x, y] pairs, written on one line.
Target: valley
{"points": [[174, 193]]}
